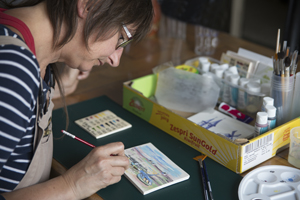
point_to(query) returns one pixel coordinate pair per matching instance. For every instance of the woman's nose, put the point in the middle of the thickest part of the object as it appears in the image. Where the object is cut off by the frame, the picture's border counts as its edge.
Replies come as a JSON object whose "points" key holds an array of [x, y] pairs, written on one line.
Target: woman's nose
{"points": [[114, 58]]}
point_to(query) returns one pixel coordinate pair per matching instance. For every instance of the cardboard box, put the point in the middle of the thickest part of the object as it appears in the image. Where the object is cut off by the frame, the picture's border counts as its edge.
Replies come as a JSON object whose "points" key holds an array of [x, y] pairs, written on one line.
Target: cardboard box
{"points": [[137, 96]]}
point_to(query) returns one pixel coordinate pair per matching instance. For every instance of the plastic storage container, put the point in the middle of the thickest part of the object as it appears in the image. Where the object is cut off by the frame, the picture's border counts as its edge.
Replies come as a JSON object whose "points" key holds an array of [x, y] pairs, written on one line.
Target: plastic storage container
{"points": [[250, 96]]}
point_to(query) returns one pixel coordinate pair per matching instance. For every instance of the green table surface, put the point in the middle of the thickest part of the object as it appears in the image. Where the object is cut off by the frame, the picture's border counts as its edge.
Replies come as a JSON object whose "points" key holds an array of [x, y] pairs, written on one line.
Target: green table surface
{"points": [[68, 152]]}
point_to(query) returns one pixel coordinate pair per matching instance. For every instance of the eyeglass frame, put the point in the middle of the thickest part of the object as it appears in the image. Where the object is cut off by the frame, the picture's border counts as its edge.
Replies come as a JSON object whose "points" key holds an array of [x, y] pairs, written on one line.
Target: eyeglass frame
{"points": [[129, 36]]}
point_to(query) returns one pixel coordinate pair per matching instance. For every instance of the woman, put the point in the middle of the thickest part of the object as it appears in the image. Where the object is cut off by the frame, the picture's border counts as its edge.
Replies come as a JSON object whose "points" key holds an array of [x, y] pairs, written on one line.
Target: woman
{"points": [[82, 34]]}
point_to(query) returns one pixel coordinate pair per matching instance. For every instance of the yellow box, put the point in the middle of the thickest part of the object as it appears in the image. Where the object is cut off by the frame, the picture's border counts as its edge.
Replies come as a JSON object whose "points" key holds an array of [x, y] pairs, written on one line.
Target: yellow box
{"points": [[137, 96]]}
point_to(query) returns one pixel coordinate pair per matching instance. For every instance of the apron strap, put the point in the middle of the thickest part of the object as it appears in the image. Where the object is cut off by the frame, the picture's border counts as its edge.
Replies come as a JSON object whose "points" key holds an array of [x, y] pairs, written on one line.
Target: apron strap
{"points": [[40, 166], [13, 40]]}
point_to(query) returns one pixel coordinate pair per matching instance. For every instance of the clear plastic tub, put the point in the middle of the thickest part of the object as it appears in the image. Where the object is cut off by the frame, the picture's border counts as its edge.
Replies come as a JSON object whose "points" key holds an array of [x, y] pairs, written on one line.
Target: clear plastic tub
{"points": [[250, 97]]}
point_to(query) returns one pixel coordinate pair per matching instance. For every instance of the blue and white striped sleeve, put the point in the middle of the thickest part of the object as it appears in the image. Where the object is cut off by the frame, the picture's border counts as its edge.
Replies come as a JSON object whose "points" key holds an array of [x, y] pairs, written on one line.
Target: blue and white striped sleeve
{"points": [[19, 86]]}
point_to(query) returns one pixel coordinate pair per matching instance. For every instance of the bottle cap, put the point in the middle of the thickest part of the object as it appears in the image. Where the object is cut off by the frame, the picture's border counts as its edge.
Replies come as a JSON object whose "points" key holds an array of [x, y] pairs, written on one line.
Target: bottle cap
{"points": [[234, 78], [227, 75], [213, 66], [219, 72], [205, 66], [268, 101], [243, 82], [253, 87], [225, 66], [203, 59], [261, 118], [233, 69], [271, 110]]}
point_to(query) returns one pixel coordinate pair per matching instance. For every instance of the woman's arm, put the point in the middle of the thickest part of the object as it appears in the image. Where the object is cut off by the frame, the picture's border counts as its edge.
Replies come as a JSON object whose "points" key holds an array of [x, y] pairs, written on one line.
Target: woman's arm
{"points": [[96, 171]]}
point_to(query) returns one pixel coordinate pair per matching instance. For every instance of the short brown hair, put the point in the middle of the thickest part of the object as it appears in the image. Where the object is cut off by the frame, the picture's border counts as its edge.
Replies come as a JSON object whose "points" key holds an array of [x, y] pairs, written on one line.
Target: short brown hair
{"points": [[104, 18]]}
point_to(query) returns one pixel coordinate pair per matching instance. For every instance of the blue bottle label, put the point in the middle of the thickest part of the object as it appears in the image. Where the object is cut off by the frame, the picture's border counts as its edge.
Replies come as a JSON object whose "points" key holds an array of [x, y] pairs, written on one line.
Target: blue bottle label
{"points": [[271, 124]]}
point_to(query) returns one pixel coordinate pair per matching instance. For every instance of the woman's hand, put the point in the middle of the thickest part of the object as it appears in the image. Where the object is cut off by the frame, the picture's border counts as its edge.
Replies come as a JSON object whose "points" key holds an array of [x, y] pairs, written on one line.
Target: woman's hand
{"points": [[70, 78], [102, 167]]}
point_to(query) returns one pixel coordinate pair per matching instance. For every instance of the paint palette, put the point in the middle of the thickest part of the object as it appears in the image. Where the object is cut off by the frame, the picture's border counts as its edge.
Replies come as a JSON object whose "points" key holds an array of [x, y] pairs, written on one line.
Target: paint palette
{"points": [[102, 124], [270, 183]]}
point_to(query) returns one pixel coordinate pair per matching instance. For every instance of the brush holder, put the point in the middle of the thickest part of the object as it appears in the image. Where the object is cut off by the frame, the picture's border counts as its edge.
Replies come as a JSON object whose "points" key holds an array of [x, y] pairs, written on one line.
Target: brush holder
{"points": [[282, 89]]}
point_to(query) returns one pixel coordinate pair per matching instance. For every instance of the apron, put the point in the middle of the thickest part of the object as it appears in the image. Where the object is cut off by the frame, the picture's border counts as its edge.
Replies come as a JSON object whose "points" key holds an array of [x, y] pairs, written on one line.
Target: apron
{"points": [[40, 166]]}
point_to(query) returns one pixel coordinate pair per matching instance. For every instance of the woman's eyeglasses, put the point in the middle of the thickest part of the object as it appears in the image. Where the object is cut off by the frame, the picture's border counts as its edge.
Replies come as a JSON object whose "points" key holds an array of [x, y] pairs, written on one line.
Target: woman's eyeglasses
{"points": [[126, 40]]}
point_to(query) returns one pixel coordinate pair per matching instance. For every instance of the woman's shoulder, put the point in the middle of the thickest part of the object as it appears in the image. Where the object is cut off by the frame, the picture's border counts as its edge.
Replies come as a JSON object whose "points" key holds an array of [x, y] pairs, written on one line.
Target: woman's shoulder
{"points": [[5, 31], [19, 71], [13, 54]]}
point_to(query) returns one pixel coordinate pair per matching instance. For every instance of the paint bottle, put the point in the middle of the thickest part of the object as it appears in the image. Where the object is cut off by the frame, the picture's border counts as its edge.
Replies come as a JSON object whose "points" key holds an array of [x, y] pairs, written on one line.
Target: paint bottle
{"points": [[218, 72], [242, 98], [233, 69], [261, 125], [213, 66], [253, 99], [271, 111], [203, 59], [205, 67], [234, 79], [224, 66], [226, 87], [267, 101]]}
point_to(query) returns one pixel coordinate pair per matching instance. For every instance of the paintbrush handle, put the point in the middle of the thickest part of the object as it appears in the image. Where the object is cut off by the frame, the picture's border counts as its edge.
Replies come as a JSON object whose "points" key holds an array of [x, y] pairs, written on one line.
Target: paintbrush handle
{"points": [[208, 182], [203, 180]]}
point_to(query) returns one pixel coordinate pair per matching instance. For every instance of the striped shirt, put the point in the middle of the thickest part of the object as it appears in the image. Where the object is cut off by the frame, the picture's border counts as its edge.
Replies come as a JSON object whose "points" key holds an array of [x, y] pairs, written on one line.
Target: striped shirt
{"points": [[19, 89]]}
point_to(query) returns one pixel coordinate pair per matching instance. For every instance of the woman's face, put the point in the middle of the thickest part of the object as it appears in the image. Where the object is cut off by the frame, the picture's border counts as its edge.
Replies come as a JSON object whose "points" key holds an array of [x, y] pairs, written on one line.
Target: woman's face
{"points": [[77, 56]]}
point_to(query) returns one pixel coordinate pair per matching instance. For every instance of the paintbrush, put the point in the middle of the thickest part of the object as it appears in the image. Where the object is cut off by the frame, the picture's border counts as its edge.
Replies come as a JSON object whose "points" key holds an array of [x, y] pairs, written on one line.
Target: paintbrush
{"points": [[277, 44], [287, 63], [294, 62], [204, 177], [280, 57], [274, 66], [287, 53], [284, 46]]}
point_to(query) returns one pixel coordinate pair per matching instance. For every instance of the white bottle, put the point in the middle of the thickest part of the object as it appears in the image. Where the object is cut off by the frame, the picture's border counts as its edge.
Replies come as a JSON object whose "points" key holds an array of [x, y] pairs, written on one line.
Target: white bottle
{"points": [[218, 72], [261, 125], [225, 66], [205, 67], [267, 101], [226, 87], [242, 98], [234, 79], [233, 69], [203, 59], [271, 111], [253, 98], [213, 66]]}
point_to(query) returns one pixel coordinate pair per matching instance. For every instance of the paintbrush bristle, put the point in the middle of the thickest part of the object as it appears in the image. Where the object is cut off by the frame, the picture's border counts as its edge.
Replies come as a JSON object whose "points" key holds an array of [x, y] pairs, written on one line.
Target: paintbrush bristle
{"points": [[287, 61], [281, 55], [287, 51]]}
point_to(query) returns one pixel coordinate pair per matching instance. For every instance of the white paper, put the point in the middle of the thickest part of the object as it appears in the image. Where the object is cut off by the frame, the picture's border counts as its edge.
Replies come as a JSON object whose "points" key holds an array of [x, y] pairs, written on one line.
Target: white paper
{"points": [[220, 123]]}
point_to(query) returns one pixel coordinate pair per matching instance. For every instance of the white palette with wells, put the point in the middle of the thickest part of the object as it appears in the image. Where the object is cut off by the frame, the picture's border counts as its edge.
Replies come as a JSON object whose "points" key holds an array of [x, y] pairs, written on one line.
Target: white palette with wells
{"points": [[273, 182]]}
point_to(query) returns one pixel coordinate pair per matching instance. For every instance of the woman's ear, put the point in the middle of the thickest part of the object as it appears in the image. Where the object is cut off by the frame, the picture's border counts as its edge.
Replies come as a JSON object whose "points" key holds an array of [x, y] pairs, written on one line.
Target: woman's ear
{"points": [[82, 9]]}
